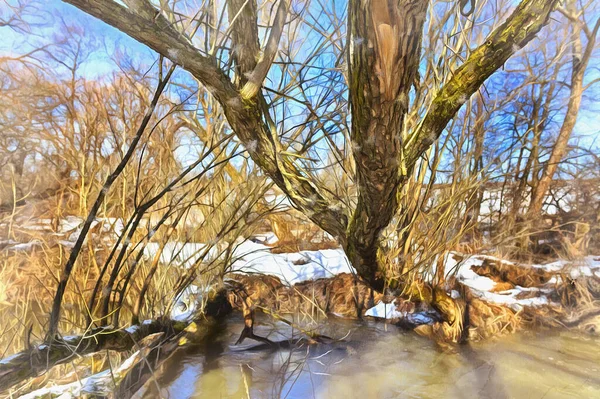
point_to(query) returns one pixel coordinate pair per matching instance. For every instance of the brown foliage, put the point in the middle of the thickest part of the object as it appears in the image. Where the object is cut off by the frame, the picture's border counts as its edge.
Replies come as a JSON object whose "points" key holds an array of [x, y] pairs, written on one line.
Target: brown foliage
{"points": [[343, 295], [507, 275], [487, 320]]}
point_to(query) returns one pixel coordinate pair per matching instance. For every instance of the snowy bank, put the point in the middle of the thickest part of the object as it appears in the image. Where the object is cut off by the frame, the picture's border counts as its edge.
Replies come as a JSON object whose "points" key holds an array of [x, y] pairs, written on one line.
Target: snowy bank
{"points": [[291, 268]]}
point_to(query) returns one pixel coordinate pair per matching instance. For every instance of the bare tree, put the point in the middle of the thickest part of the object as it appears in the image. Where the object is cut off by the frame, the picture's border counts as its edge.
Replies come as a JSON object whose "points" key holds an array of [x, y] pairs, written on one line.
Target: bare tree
{"points": [[383, 47], [581, 57]]}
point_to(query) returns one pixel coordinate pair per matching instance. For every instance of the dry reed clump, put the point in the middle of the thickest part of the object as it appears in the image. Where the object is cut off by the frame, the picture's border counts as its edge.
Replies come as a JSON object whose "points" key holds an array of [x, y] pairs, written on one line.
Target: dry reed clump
{"points": [[576, 293], [28, 283], [486, 320], [543, 316], [462, 318], [295, 233], [466, 317], [262, 290], [417, 290], [573, 302], [345, 295], [342, 295], [452, 329], [579, 304], [507, 275]]}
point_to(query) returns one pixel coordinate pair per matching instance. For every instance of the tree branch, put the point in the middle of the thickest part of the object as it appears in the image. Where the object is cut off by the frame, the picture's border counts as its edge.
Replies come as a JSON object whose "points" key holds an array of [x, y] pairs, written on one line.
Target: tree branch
{"points": [[258, 75], [246, 117], [520, 28], [158, 34]]}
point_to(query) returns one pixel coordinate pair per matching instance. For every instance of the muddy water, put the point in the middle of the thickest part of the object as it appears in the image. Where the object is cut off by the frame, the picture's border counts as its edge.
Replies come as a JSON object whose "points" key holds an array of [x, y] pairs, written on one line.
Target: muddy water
{"points": [[379, 361]]}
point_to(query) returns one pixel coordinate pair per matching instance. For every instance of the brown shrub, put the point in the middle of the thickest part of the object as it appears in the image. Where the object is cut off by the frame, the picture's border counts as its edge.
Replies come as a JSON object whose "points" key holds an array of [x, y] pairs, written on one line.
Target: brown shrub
{"points": [[486, 320], [343, 295], [503, 273]]}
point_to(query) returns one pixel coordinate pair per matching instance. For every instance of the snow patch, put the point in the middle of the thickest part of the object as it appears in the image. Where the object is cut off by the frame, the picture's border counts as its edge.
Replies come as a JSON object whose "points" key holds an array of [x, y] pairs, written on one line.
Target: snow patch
{"points": [[265, 238], [585, 267], [8, 359], [132, 329], [180, 253], [186, 305], [385, 311], [291, 268], [26, 246], [389, 311], [482, 286]]}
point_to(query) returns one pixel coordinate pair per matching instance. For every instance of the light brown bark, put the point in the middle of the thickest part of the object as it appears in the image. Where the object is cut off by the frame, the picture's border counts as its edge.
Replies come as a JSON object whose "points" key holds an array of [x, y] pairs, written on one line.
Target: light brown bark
{"points": [[581, 58]]}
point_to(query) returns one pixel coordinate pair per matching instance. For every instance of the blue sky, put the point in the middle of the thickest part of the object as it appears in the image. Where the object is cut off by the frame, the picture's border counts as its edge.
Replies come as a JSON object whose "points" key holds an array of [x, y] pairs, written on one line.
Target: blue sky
{"points": [[54, 15], [109, 41]]}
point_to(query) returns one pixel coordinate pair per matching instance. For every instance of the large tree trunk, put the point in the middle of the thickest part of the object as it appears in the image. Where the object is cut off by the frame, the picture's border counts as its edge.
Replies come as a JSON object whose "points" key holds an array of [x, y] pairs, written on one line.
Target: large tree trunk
{"points": [[384, 50]]}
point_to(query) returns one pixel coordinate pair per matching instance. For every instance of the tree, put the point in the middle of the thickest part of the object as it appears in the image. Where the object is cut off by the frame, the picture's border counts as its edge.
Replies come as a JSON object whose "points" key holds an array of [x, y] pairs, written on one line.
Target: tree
{"points": [[580, 59], [383, 50]]}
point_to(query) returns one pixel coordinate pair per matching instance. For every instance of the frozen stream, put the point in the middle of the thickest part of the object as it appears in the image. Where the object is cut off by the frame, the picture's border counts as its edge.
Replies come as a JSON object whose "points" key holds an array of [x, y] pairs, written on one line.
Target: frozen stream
{"points": [[381, 361]]}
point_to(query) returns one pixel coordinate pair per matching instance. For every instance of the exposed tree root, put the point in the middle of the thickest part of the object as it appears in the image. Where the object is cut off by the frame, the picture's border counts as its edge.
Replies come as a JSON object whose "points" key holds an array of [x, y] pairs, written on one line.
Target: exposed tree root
{"points": [[239, 295]]}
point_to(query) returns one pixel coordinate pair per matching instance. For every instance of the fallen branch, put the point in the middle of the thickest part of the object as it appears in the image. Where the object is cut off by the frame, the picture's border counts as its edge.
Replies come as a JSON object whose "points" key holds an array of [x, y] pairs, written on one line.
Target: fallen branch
{"points": [[105, 383], [33, 362]]}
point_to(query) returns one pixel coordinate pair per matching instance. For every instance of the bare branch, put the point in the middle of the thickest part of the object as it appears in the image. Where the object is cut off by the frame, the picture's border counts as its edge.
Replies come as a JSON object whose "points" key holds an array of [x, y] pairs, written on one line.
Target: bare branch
{"points": [[520, 28], [259, 74]]}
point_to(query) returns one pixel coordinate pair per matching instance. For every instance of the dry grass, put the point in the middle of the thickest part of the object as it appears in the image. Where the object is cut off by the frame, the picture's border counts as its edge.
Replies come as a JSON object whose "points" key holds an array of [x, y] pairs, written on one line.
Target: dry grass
{"points": [[79, 368], [210, 203], [296, 233], [507, 275], [343, 295], [487, 320]]}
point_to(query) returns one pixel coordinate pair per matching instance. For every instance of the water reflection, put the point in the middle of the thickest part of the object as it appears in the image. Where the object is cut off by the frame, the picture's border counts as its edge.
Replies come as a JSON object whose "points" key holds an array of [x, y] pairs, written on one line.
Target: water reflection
{"points": [[378, 361]]}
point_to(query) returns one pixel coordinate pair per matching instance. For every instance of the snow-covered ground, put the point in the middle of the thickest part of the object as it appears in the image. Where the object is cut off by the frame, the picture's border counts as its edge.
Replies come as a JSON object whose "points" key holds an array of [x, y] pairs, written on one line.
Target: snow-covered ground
{"points": [[291, 268], [255, 256], [307, 265], [482, 286], [586, 267], [65, 232], [180, 253]]}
